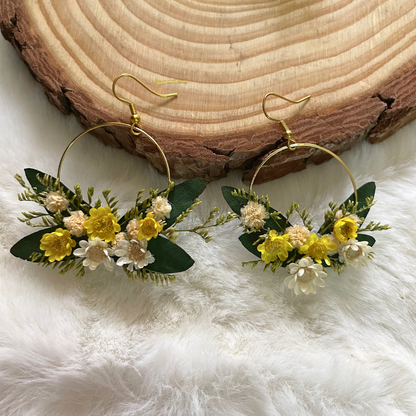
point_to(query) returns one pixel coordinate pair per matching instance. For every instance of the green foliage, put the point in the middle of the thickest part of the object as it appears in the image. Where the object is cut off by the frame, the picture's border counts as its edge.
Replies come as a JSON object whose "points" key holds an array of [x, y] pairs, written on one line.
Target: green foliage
{"points": [[30, 244], [169, 257], [111, 202], [182, 196], [146, 275], [202, 229], [238, 198], [249, 242], [304, 215], [363, 237]]}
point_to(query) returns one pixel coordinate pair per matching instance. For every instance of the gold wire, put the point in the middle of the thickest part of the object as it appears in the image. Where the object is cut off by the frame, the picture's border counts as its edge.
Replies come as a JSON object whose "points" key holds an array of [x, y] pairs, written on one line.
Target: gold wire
{"points": [[113, 123], [305, 145], [174, 94], [134, 127], [292, 144]]}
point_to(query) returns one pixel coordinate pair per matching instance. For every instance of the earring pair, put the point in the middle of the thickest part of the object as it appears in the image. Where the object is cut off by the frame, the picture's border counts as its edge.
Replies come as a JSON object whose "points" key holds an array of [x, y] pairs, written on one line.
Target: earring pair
{"points": [[84, 234]]}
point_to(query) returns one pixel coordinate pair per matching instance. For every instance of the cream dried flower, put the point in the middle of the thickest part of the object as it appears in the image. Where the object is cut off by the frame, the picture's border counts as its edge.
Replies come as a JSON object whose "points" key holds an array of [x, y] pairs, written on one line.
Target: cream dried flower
{"points": [[305, 276], [298, 234], [160, 208], [75, 223], [119, 237], [332, 239], [354, 253], [95, 252], [134, 253], [55, 202], [132, 229], [355, 218], [253, 215]]}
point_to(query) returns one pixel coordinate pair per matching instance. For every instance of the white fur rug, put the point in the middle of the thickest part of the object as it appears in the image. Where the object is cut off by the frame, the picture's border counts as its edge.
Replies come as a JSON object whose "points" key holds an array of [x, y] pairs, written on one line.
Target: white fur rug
{"points": [[223, 340]]}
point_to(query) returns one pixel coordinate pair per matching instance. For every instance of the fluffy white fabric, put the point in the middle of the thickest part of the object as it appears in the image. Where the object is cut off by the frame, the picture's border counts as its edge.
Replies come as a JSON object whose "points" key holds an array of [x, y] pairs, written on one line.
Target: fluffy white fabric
{"points": [[223, 340]]}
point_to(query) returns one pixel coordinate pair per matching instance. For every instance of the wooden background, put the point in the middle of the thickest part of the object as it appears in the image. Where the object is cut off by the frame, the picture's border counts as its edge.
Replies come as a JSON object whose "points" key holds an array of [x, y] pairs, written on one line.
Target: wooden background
{"points": [[356, 58]]}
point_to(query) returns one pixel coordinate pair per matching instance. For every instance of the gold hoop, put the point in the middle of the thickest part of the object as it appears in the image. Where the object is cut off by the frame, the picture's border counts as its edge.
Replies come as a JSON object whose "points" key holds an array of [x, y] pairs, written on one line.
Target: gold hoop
{"points": [[292, 144], [134, 127]]}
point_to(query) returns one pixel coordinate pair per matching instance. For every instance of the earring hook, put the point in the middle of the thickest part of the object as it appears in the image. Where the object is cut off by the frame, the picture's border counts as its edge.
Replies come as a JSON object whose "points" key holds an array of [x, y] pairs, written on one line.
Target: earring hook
{"points": [[135, 118], [287, 134]]}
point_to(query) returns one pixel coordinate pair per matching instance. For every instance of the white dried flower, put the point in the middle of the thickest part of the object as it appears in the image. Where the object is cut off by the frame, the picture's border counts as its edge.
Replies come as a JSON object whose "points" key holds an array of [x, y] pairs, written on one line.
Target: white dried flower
{"points": [[95, 252], [305, 276], [355, 218], [119, 237], [332, 239], [298, 234], [253, 215], [75, 223], [354, 253], [55, 202], [132, 229], [134, 253], [160, 208]]}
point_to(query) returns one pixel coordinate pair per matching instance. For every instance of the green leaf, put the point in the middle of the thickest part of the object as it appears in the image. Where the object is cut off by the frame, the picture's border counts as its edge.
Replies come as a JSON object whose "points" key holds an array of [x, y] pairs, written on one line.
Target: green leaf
{"points": [[237, 202], [169, 257], [363, 192], [247, 240], [30, 244], [31, 175], [182, 196], [365, 237]]}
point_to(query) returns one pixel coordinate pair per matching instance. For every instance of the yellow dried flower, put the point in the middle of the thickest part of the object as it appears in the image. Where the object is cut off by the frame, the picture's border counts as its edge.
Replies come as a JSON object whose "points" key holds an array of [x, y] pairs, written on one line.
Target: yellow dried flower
{"points": [[318, 248], [344, 229], [57, 245], [102, 224], [275, 246], [148, 228]]}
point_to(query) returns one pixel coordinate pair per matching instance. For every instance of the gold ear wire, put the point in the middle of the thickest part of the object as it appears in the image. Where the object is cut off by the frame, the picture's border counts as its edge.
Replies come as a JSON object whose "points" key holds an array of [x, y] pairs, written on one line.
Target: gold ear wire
{"points": [[135, 127], [135, 118], [287, 134]]}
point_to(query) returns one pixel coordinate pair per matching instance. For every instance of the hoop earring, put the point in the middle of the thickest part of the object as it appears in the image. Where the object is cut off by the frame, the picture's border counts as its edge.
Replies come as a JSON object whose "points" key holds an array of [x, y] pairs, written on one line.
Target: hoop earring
{"points": [[84, 234], [339, 243]]}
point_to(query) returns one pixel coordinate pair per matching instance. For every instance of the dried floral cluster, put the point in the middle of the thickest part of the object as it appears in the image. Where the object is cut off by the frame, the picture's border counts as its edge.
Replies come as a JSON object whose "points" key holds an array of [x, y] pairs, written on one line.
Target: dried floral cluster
{"points": [[340, 242], [80, 234]]}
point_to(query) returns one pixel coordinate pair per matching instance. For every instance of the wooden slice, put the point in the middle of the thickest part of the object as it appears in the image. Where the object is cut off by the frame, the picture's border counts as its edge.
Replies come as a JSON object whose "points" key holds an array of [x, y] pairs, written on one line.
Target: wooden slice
{"points": [[356, 59]]}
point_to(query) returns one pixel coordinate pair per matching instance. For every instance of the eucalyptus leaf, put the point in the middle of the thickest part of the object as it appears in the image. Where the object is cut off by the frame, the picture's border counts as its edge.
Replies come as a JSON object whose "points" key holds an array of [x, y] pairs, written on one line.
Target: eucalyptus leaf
{"points": [[30, 244], [237, 202], [247, 240], [364, 237], [365, 191], [182, 196], [169, 257], [31, 175]]}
